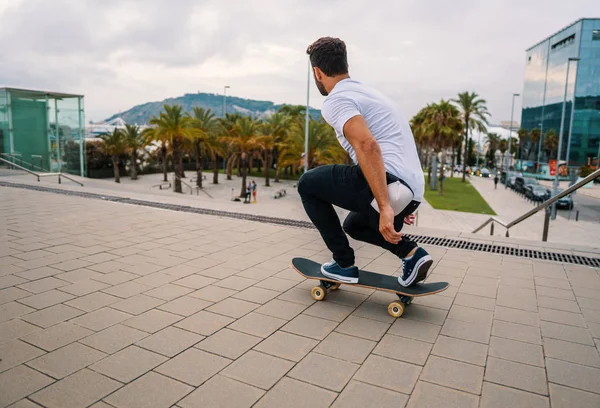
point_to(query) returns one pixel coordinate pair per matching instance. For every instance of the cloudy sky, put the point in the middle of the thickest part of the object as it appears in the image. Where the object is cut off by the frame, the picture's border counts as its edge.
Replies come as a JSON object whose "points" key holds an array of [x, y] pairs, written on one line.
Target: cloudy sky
{"points": [[120, 53]]}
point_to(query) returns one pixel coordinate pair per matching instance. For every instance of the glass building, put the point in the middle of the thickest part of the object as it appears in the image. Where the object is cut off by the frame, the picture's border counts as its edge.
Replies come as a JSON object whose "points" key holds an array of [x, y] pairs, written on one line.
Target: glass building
{"points": [[544, 93], [43, 131]]}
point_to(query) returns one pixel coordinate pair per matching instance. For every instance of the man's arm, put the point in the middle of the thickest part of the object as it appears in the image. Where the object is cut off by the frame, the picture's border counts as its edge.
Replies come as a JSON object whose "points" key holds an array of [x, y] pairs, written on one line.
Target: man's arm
{"points": [[370, 160]]}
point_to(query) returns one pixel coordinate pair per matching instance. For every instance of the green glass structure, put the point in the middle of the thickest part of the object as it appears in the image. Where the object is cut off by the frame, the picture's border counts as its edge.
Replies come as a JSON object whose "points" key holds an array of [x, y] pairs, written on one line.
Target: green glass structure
{"points": [[544, 91], [44, 130]]}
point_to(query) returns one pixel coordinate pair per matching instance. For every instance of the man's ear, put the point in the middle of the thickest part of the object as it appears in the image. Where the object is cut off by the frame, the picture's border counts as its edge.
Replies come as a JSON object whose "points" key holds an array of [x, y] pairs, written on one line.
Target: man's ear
{"points": [[318, 74]]}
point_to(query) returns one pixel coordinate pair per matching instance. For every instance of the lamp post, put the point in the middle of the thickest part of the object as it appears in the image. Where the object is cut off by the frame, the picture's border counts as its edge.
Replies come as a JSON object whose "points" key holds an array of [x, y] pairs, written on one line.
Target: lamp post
{"points": [[306, 121], [225, 99], [507, 165], [560, 137]]}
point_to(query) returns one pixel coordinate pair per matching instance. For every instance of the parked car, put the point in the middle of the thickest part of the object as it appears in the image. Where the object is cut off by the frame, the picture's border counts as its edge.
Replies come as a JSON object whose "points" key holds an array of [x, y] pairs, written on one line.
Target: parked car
{"points": [[565, 202], [511, 182], [484, 172], [521, 182], [536, 192]]}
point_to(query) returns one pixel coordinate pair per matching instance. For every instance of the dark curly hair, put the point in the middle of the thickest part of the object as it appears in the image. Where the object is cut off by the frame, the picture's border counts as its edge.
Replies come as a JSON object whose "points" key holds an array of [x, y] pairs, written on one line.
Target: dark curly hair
{"points": [[329, 55]]}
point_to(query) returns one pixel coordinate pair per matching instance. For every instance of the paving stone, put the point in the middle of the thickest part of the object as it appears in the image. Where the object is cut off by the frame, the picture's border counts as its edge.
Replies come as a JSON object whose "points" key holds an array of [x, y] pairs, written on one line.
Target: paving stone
{"points": [[258, 369], [276, 284], [428, 395], [93, 301], [128, 364], [528, 334], [296, 394], [257, 295], [11, 310], [236, 283], [185, 305], [564, 397], [25, 403], [13, 293], [572, 352], [16, 352], [558, 316], [438, 302], [359, 395], [472, 315], [497, 396], [453, 374], [558, 304], [41, 285], [57, 336], [488, 291], [365, 328], [229, 343], [170, 341], [567, 333], [127, 289], [221, 391], [19, 382], [329, 311], [34, 274], [461, 350], [516, 316], [281, 309], [516, 375], [152, 320], [573, 375], [344, 347], [376, 311], [213, 293], [324, 371], [415, 330], [591, 315], [169, 292], [150, 390], [516, 351], [555, 293], [116, 277], [231, 307], [78, 390], [46, 299], [290, 346], [14, 329], [387, 373], [403, 349], [257, 324], [114, 338], [204, 322], [52, 315], [101, 319], [137, 304], [194, 366], [67, 360], [297, 296], [421, 313], [466, 331], [195, 281]]}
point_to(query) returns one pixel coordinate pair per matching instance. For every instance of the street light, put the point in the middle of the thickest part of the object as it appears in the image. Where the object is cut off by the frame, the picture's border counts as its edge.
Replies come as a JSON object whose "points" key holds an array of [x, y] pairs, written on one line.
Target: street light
{"points": [[560, 137], [507, 162], [225, 99], [306, 122]]}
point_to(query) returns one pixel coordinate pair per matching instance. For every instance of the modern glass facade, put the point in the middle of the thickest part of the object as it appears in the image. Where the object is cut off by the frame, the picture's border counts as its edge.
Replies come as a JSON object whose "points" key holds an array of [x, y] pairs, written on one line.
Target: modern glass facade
{"points": [[43, 130], [544, 93]]}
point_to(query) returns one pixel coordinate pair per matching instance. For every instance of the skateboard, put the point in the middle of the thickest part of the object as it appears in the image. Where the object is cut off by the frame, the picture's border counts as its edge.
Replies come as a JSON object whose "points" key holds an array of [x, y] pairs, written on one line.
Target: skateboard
{"points": [[312, 270]]}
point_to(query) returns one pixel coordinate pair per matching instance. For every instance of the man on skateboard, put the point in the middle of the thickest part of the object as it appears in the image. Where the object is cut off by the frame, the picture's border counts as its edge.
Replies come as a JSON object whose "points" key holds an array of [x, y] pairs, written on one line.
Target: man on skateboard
{"points": [[382, 189]]}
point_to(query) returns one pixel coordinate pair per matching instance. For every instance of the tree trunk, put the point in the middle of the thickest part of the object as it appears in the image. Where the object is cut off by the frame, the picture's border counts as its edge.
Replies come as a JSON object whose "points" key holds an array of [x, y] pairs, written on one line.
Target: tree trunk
{"points": [[466, 156], [277, 170], [268, 155], [177, 166], [250, 163], [452, 168], [243, 163], [133, 167], [115, 161], [215, 170], [181, 164], [442, 175], [239, 167], [163, 151], [265, 160], [230, 167], [199, 165]]}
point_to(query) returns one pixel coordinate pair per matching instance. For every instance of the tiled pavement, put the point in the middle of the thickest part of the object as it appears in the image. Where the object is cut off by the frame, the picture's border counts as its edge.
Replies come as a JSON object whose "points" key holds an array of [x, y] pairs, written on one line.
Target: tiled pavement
{"points": [[109, 305]]}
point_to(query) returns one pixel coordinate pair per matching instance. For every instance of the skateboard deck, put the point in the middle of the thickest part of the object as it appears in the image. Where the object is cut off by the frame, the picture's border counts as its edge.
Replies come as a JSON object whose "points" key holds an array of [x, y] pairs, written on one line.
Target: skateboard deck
{"points": [[312, 270]]}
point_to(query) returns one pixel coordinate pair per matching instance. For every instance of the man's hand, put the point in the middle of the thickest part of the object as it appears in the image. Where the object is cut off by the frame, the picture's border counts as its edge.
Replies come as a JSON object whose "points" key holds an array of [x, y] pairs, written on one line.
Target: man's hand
{"points": [[410, 220], [386, 225]]}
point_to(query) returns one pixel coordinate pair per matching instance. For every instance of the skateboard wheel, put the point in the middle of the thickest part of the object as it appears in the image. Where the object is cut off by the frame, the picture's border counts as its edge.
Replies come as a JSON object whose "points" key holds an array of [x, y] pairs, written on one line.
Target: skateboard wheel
{"points": [[395, 309], [335, 286], [318, 293]]}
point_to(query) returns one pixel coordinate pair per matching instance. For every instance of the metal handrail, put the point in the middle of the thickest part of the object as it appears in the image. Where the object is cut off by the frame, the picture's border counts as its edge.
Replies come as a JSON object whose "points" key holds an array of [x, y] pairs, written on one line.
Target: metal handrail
{"points": [[38, 175], [198, 189], [543, 205], [33, 166]]}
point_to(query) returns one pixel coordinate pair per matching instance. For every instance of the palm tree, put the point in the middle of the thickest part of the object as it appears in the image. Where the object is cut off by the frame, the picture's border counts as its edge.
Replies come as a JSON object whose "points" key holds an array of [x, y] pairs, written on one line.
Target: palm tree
{"points": [[442, 121], [522, 134], [551, 142], [535, 135], [173, 127], [273, 132], [153, 135], [226, 125], [295, 112], [204, 142], [114, 146], [474, 114], [242, 140], [134, 142], [493, 141]]}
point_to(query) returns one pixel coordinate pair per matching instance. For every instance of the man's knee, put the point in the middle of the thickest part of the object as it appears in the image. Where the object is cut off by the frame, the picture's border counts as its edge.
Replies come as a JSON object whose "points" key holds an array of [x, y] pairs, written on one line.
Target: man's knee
{"points": [[304, 184], [350, 225]]}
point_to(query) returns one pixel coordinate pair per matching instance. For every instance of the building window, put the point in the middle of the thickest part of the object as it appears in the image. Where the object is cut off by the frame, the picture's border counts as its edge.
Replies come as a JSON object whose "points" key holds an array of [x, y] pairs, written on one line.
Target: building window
{"points": [[529, 59], [596, 35], [563, 43]]}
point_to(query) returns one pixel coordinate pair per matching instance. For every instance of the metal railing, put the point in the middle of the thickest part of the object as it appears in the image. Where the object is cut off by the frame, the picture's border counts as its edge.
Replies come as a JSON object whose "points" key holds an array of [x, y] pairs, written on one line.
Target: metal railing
{"points": [[192, 188], [543, 206], [40, 175], [17, 156]]}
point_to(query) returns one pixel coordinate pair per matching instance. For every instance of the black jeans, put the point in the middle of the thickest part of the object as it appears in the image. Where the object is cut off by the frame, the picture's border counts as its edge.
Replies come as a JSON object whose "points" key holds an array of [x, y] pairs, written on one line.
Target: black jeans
{"points": [[347, 187]]}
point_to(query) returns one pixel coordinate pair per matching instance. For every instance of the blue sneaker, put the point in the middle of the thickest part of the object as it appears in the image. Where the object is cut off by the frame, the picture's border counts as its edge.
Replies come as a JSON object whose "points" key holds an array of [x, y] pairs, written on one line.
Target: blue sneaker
{"points": [[333, 271], [415, 268]]}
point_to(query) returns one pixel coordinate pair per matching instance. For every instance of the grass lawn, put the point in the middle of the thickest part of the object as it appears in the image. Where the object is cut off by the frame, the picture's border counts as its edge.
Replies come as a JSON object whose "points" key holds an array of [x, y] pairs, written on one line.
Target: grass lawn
{"points": [[458, 196]]}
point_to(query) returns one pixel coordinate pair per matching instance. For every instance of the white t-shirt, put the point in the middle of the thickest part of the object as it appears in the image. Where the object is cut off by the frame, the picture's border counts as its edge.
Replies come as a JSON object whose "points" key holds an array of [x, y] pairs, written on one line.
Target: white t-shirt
{"points": [[392, 132]]}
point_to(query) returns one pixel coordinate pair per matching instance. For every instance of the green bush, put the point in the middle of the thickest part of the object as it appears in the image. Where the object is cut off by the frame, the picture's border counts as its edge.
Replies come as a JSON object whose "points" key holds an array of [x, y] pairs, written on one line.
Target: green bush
{"points": [[585, 171]]}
